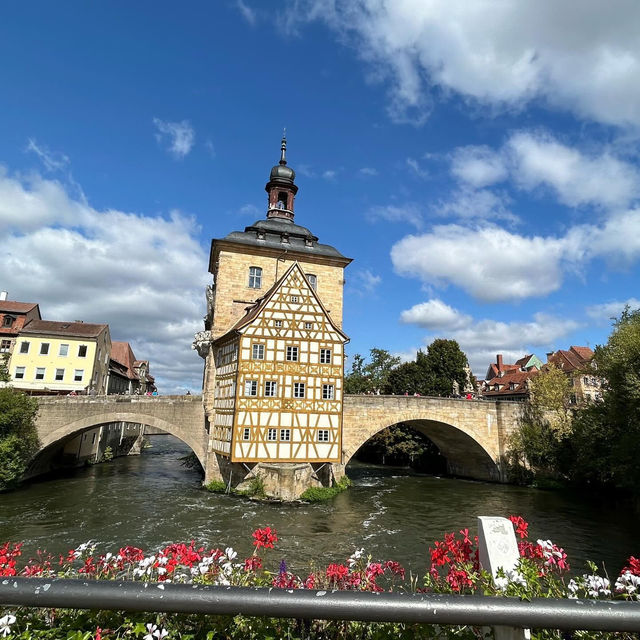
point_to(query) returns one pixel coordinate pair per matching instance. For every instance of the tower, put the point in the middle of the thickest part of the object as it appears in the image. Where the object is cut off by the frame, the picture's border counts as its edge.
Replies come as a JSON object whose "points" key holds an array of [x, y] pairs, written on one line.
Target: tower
{"points": [[273, 341]]}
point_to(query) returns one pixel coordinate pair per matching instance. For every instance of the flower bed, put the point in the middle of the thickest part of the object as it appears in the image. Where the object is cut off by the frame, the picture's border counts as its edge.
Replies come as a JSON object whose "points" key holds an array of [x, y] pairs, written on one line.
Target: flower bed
{"points": [[543, 571]]}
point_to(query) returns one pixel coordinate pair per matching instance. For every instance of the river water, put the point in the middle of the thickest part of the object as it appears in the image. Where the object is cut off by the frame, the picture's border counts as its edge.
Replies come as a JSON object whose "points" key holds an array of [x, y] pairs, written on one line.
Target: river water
{"points": [[151, 499]]}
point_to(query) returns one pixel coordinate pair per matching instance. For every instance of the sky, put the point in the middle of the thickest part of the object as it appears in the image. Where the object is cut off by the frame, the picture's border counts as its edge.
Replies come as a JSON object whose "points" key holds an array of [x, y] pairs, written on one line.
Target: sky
{"points": [[477, 160]]}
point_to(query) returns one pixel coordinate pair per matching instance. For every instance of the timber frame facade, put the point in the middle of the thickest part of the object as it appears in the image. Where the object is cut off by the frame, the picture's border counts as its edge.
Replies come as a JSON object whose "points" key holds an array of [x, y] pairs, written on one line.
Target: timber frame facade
{"points": [[279, 379]]}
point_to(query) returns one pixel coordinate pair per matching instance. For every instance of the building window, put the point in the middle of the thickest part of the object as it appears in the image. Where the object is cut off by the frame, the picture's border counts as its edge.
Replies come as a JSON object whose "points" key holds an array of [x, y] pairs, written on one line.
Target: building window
{"points": [[44, 349], [272, 434], [285, 435], [308, 325], [294, 298], [246, 434], [270, 388], [59, 374], [78, 374], [313, 280], [40, 371], [292, 354], [257, 352], [512, 386], [64, 350], [298, 389], [325, 356], [8, 321], [5, 345], [255, 278], [82, 351], [19, 374], [323, 435], [283, 196], [251, 388], [328, 391], [24, 347], [278, 323]]}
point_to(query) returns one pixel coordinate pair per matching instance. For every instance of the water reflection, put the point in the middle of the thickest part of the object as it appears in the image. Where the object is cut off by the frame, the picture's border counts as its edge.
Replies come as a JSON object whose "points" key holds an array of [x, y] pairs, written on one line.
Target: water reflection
{"points": [[151, 500]]}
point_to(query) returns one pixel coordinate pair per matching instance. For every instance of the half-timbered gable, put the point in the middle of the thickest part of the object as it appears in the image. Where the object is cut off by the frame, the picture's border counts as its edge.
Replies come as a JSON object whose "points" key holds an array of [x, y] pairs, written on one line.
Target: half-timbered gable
{"points": [[288, 385]]}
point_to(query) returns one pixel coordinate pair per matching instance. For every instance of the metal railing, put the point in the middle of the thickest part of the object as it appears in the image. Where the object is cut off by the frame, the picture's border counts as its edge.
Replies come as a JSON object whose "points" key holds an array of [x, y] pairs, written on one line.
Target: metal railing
{"points": [[322, 605]]}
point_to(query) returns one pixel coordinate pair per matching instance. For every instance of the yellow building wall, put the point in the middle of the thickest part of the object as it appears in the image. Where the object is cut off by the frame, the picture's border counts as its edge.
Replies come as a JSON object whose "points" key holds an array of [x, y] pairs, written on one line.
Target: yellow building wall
{"points": [[89, 365], [233, 294]]}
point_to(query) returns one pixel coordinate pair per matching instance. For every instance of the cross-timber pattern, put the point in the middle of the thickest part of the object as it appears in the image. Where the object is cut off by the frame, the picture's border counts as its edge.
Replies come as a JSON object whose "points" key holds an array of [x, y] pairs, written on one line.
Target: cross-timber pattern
{"points": [[470, 434]]}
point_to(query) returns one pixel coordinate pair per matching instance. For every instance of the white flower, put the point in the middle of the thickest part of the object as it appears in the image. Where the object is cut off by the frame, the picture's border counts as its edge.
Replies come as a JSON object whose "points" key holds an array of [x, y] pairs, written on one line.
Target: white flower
{"points": [[151, 628], [355, 556], [511, 576], [160, 633], [85, 546], [597, 585], [5, 624], [628, 582], [230, 553]]}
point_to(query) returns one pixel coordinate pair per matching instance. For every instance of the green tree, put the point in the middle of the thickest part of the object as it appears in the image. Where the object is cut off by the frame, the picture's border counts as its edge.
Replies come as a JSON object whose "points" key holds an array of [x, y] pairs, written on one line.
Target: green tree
{"points": [[18, 435], [4, 368], [550, 398], [373, 376], [607, 434], [443, 363]]}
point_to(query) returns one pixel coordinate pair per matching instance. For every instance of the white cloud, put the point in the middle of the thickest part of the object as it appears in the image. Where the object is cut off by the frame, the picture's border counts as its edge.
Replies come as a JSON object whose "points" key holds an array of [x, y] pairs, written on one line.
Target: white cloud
{"points": [[247, 12], [364, 281], [478, 166], [180, 136], [534, 160], [52, 161], [249, 210], [435, 314], [482, 340], [142, 275], [417, 169], [579, 55], [490, 263], [329, 174], [475, 204], [604, 313], [576, 178], [407, 213], [368, 171]]}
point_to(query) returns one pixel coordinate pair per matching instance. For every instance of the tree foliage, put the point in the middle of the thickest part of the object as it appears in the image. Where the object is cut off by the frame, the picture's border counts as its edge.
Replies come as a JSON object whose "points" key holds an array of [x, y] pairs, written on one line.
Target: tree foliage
{"points": [[372, 376], [18, 435]]}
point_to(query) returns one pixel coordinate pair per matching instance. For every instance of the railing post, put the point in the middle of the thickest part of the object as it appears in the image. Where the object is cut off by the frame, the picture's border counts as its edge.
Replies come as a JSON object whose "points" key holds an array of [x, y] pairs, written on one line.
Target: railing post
{"points": [[498, 548]]}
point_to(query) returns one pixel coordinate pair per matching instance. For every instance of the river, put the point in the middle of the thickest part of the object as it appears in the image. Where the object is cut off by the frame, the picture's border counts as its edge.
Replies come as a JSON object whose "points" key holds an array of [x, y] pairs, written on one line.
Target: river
{"points": [[151, 499]]}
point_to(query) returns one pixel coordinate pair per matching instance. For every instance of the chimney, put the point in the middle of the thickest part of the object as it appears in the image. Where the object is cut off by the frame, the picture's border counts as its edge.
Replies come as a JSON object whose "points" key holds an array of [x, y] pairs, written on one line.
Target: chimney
{"points": [[549, 354], [499, 362], [3, 295]]}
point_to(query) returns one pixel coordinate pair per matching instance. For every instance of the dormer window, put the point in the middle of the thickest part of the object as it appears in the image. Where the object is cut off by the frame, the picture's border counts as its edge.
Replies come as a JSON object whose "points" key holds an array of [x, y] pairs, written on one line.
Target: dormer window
{"points": [[8, 321], [512, 386], [260, 235], [308, 242], [255, 277], [313, 280], [285, 238]]}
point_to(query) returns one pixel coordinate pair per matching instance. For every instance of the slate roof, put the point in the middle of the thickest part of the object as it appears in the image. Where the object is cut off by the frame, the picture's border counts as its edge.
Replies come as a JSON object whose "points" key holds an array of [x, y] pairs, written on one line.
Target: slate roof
{"points": [[281, 234], [71, 329]]}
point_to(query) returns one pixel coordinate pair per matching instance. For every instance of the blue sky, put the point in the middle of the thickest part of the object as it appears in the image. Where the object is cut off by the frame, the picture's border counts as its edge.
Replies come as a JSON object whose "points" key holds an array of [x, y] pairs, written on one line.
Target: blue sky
{"points": [[478, 161]]}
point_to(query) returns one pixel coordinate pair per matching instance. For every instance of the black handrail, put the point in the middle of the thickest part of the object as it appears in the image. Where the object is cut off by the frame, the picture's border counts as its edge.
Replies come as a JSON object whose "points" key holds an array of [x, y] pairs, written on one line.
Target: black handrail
{"points": [[547, 613]]}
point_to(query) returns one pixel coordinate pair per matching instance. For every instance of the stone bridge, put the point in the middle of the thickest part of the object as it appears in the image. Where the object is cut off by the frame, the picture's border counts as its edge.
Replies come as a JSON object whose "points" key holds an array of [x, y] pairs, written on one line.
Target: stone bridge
{"points": [[471, 434]]}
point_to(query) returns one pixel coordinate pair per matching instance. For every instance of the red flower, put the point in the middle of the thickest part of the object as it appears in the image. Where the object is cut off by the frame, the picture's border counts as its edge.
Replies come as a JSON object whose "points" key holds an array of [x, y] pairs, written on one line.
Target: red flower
{"points": [[521, 526], [337, 572], [253, 563], [264, 538]]}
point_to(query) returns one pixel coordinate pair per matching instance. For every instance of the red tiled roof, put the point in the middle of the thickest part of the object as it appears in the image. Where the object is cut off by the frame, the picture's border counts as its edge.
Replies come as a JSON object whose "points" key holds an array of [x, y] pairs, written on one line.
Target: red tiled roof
{"points": [[585, 353], [75, 329], [122, 353], [519, 378], [10, 306], [572, 360]]}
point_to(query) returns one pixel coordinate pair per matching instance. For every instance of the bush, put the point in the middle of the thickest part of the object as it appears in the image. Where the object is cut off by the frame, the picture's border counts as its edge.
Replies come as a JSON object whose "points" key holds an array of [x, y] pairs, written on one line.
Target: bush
{"points": [[216, 486], [321, 494]]}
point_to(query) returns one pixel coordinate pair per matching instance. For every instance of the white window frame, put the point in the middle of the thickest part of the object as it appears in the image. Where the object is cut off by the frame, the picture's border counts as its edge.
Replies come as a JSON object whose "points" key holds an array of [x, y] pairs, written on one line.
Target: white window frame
{"points": [[5, 346], [299, 389], [285, 435], [255, 277], [246, 433], [63, 347], [272, 435], [294, 299], [43, 351], [61, 378], [81, 346], [277, 323], [78, 375], [24, 346], [325, 356], [308, 325], [292, 353], [328, 391], [251, 388], [323, 435], [19, 373], [257, 351], [41, 372], [313, 280], [270, 388]]}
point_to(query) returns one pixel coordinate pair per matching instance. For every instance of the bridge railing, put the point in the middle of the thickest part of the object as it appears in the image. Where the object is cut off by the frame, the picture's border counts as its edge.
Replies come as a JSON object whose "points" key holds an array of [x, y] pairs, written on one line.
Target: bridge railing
{"points": [[540, 613]]}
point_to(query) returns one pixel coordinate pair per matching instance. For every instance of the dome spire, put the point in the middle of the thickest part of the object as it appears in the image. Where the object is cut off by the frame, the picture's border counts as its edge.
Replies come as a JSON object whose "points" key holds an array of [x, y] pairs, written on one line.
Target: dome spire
{"points": [[283, 147]]}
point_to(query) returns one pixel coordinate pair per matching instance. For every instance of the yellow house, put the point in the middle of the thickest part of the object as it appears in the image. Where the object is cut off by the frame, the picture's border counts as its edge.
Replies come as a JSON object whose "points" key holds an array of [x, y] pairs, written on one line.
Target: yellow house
{"points": [[60, 357]]}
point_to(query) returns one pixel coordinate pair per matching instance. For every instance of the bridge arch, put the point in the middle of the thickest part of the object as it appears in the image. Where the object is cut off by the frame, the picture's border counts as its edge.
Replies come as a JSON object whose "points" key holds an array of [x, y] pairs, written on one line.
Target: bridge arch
{"points": [[467, 433]]}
